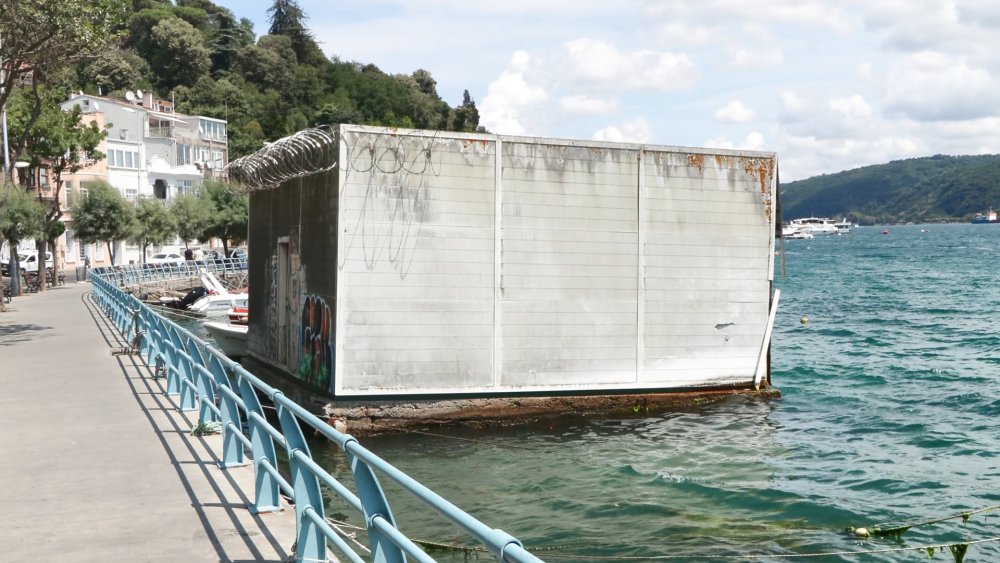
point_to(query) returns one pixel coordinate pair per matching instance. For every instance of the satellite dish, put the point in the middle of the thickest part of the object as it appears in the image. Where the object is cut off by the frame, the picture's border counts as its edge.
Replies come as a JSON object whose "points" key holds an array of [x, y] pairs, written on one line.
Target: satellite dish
{"points": [[129, 96], [138, 94]]}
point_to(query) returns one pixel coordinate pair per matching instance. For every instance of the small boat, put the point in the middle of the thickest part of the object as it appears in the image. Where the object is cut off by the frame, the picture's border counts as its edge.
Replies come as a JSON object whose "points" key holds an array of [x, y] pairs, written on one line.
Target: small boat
{"points": [[218, 300], [231, 336], [988, 217]]}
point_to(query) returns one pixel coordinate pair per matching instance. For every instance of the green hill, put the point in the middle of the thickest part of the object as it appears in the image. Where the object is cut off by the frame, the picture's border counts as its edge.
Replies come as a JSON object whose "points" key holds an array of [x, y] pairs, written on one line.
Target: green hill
{"points": [[929, 189]]}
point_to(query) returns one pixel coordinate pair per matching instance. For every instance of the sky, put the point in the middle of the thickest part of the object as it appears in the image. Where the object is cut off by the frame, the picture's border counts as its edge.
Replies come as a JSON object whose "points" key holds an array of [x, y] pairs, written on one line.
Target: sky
{"points": [[827, 85]]}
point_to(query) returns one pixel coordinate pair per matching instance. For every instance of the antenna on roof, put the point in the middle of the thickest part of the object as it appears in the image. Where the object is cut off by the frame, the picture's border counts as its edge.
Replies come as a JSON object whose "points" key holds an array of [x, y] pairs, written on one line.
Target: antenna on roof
{"points": [[138, 94], [129, 96]]}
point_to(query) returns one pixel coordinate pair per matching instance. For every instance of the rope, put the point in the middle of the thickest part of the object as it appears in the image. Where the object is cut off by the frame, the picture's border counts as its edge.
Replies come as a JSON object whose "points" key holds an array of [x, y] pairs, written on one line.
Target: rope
{"points": [[930, 549], [898, 530]]}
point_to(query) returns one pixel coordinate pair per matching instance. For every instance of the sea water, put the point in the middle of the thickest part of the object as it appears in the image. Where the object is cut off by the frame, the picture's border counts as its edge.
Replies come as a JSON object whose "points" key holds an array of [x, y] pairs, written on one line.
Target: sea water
{"points": [[888, 415]]}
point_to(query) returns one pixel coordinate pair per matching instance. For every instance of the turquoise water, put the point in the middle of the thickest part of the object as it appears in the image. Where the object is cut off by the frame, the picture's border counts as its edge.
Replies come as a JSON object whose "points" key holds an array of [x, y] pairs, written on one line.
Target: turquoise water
{"points": [[891, 396]]}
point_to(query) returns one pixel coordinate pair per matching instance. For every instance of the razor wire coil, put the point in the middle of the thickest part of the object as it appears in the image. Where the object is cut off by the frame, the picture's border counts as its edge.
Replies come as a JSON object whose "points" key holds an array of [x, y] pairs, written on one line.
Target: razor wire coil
{"points": [[308, 152]]}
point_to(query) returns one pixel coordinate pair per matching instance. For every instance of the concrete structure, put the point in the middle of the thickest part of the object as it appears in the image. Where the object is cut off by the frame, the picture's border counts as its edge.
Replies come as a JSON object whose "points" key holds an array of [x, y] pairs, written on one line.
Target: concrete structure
{"points": [[99, 465], [433, 264], [150, 152]]}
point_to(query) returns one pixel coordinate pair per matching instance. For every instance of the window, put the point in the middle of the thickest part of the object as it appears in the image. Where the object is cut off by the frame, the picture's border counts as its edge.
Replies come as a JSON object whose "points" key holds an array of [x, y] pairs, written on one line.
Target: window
{"points": [[132, 194], [184, 187], [43, 177], [184, 155], [217, 162], [118, 158], [100, 251], [69, 245], [215, 130]]}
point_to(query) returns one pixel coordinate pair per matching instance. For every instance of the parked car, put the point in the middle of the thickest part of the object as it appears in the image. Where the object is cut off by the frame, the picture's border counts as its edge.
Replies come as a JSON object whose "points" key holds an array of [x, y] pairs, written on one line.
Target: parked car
{"points": [[165, 258], [28, 262]]}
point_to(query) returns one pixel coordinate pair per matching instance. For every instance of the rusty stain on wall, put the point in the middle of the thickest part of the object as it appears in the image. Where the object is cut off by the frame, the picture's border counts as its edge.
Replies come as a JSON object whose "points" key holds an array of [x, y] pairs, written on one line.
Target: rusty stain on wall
{"points": [[697, 160], [761, 170]]}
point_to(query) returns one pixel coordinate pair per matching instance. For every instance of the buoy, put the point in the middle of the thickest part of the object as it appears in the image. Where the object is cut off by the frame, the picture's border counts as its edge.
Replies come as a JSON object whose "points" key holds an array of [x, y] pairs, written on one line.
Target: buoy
{"points": [[804, 320], [885, 232], [861, 532]]}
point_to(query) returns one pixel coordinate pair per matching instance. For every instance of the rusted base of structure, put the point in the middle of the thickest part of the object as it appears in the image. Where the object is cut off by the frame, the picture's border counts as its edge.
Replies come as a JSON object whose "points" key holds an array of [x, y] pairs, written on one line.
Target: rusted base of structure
{"points": [[385, 416], [400, 416]]}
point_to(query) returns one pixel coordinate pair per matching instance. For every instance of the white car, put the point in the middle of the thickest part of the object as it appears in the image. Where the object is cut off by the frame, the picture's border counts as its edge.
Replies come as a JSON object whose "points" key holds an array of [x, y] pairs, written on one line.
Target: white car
{"points": [[28, 262], [165, 258]]}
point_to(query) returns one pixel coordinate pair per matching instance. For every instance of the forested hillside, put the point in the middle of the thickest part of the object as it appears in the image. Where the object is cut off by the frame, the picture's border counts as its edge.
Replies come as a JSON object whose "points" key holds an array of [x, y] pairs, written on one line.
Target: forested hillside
{"points": [[936, 188], [268, 85]]}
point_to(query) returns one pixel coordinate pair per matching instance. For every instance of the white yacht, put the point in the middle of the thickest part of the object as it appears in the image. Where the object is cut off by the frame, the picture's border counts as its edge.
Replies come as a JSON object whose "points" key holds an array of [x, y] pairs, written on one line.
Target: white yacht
{"points": [[844, 226], [815, 225]]}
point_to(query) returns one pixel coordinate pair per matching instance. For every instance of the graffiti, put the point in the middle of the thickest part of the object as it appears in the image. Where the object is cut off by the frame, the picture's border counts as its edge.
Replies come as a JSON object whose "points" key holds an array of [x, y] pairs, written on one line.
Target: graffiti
{"points": [[314, 343], [271, 340]]}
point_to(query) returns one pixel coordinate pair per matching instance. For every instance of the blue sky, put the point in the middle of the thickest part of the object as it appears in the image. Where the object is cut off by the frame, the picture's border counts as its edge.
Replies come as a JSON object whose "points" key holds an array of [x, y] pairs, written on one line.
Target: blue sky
{"points": [[828, 85]]}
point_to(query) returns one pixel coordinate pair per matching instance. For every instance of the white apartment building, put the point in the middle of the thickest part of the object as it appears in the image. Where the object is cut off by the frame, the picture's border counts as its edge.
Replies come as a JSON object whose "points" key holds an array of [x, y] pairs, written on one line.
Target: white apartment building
{"points": [[150, 152]]}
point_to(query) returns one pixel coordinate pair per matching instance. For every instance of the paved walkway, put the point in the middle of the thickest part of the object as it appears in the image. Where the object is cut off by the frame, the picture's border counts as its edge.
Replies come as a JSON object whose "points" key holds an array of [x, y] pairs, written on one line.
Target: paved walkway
{"points": [[96, 464]]}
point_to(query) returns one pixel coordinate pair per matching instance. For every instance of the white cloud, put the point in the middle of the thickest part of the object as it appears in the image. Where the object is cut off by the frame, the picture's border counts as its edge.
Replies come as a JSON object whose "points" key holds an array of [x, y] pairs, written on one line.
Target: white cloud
{"points": [[754, 141], [588, 106], [852, 107], [509, 95], [835, 16], [934, 86], [688, 34], [864, 71], [635, 131], [746, 58], [602, 64], [734, 112]]}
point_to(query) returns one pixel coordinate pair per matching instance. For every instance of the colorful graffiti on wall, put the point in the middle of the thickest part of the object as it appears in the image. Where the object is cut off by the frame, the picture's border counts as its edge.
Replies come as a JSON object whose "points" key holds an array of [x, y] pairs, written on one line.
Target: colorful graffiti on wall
{"points": [[315, 344]]}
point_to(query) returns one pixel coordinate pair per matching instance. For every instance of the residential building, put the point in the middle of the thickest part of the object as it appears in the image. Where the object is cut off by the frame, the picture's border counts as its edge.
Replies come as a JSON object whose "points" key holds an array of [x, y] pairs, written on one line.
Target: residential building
{"points": [[150, 152]]}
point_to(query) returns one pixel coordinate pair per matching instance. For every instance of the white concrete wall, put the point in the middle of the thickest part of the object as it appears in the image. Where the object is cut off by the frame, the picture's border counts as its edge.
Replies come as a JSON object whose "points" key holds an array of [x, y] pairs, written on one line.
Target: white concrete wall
{"points": [[564, 267]]}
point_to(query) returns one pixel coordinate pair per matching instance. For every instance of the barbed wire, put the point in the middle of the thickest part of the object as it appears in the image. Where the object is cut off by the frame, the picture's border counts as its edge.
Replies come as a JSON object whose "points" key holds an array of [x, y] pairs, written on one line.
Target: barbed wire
{"points": [[308, 152]]}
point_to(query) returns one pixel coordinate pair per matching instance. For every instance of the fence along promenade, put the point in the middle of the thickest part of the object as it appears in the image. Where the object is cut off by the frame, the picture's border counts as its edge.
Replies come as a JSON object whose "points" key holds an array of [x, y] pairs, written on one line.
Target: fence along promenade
{"points": [[226, 396]]}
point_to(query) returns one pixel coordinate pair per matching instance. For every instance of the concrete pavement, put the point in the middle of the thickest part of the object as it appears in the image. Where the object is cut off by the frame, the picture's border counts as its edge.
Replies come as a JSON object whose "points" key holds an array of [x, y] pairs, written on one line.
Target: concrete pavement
{"points": [[96, 462]]}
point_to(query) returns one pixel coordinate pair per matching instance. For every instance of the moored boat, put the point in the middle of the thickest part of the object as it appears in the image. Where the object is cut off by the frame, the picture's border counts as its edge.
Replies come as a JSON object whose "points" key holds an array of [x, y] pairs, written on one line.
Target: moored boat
{"points": [[231, 336]]}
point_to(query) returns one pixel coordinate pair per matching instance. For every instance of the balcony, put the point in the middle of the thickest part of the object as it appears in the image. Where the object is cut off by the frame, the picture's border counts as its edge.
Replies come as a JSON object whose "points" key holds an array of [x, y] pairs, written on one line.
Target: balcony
{"points": [[162, 132]]}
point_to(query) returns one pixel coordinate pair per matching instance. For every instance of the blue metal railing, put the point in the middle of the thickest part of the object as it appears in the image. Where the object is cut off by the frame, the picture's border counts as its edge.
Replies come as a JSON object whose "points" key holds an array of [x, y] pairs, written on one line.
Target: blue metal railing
{"points": [[224, 392]]}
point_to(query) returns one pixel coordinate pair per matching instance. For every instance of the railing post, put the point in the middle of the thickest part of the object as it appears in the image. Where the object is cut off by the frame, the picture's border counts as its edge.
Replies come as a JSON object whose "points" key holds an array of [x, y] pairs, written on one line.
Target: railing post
{"points": [[188, 400], [232, 446], [267, 492], [375, 505], [172, 367], [203, 382], [309, 540]]}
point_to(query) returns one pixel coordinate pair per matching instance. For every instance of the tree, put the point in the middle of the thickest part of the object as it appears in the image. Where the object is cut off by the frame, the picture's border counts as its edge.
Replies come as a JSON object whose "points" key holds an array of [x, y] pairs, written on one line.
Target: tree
{"points": [[190, 217], [180, 56], [228, 214], [288, 19], [20, 219], [102, 216], [465, 117], [117, 70], [153, 225], [58, 141], [39, 36]]}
